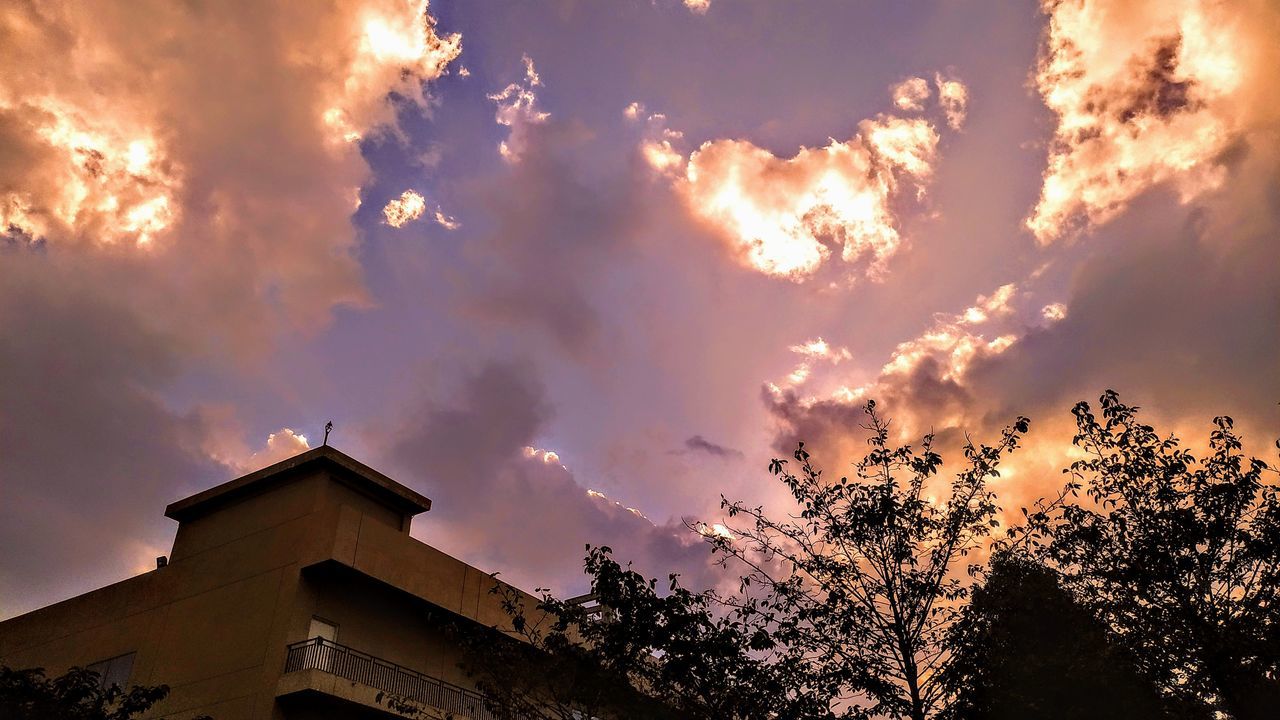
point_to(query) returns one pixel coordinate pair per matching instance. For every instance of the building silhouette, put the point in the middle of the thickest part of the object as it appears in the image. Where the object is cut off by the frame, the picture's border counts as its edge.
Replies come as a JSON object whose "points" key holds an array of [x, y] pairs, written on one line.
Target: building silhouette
{"points": [[292, 592]]}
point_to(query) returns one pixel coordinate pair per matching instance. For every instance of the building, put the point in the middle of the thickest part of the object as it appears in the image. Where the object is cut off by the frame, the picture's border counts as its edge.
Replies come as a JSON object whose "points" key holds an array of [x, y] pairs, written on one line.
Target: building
{"points": [[291, 592]]}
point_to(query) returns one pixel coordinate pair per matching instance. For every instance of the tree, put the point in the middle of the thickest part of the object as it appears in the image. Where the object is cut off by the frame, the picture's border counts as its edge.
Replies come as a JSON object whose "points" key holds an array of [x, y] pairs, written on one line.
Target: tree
{"points": [[1025, 648], [1179, 555], [842, 608], [630, 652], [861, 584], [76, 695]]}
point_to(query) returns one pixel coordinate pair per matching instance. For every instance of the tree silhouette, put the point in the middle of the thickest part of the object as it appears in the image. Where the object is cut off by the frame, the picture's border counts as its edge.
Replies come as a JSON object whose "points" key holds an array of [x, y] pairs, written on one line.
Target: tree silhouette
{"points": [[76, 695], [862, 583], [1179, 555], [631, 652], [1148, 588], [841, 609], [1024, 648]]}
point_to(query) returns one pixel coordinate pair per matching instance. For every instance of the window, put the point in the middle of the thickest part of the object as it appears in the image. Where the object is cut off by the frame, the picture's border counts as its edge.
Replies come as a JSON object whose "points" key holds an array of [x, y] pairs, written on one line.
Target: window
{"points": [[322, 629], [114, 671]]}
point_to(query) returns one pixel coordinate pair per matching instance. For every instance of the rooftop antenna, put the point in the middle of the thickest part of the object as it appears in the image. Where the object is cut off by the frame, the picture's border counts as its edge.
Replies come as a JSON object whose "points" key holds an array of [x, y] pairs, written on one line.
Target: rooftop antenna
{"points": [[327, 427]]}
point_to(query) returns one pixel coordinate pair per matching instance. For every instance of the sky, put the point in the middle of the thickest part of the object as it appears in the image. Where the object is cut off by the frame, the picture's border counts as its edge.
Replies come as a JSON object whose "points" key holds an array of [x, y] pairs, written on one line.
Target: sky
{"points": [[575, 270]]}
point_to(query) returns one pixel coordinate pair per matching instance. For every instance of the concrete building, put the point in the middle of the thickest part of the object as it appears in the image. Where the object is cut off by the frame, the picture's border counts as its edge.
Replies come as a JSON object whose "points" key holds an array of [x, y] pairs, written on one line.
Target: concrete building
{"points": [[291, 592]]}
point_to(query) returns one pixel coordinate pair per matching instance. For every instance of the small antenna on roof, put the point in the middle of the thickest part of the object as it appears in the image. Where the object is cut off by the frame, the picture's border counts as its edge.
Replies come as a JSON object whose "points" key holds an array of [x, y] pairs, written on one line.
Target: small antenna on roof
{"points": [[327, 427]]}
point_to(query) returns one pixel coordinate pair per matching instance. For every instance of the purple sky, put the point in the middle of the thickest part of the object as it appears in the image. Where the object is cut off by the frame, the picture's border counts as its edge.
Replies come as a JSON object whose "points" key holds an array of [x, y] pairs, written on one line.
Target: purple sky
{"points": [[574, 269]]}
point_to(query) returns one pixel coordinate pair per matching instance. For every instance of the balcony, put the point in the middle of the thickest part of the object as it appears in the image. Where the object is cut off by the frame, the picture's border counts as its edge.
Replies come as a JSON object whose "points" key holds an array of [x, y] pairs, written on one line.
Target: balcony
{"points": [[318, 655]]}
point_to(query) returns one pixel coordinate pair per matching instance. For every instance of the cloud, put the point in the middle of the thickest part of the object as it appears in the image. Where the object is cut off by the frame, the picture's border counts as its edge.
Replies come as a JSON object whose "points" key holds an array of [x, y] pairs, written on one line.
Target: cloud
{"points": [[518, 109], [910, 94], [1169, 318], [926, 382], [176, 191], [783, 216], [698, 7], [820, 349], [1054, 311], [404, 209], [281, 445], [478, 453], [1146, 94], [89, 453], [220, 143], [557, 234], [953, 96], [787, 217], [410, 206], [815, 351], [446, 222], [697, 443], [396, 50]]}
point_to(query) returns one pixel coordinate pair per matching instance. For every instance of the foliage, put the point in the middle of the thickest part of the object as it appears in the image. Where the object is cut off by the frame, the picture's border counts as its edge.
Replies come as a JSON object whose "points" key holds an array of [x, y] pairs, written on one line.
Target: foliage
{"points": [[862, 584], [1147, 588], [1025, 648], [629, 652], [76, 695], [1179, 555], [841, 611]]}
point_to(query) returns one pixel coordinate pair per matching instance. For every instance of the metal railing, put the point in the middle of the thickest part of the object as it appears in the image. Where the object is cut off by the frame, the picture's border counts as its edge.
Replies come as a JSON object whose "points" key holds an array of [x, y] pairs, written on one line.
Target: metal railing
{"points": [[390, 678]]}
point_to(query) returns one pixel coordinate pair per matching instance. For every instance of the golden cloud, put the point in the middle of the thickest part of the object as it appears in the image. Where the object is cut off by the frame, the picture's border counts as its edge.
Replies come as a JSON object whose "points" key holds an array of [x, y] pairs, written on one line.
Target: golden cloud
{"points": [[518, 109], [404, 209], [216, 139], [953, 96], [910, 94], [783, 216], [699, 7], [787, 217], [926, 379], [1146, 93]]}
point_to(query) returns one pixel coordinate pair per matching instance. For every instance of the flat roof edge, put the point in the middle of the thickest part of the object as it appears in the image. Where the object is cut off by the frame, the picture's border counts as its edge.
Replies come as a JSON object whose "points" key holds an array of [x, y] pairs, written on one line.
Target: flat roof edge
{"points": [[391, 491]]}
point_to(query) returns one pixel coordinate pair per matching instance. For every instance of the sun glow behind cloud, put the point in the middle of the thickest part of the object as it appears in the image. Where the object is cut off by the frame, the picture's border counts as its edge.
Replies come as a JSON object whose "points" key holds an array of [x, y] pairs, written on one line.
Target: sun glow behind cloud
{"points": [[99, 164], [926, 378], [104, 177], [1145, 93], [911, 94], [786, 217], [518, 109], [396, 49]]}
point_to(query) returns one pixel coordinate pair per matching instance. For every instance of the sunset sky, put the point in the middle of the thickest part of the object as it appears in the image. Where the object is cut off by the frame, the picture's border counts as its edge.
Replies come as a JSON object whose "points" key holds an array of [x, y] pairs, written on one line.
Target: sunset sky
{"points": [[573, 269]]}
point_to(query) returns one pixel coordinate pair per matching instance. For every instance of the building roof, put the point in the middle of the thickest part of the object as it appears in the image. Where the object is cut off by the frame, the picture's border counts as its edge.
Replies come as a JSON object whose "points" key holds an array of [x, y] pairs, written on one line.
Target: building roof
{"points": [[344, 467]]}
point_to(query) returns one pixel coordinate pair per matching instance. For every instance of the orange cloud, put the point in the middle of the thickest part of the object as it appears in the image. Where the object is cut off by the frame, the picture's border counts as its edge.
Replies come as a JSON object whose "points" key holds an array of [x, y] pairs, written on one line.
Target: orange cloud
{"points": [[393, 47], [783, 216], [1146, 93], [222, 150], [699, 7], [926, 381], [787, 217], [518, 109], [410, 206], [910, 94], [953, 96], [404, 209]]}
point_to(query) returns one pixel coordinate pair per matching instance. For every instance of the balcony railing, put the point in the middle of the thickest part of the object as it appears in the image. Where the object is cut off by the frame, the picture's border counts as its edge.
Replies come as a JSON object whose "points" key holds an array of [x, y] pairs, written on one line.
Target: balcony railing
{"points": [[390, 678]]}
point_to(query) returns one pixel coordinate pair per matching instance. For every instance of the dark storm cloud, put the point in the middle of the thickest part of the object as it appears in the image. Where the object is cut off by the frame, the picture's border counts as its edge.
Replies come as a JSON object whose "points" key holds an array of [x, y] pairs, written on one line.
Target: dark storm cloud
{"points": [[1185, 320], [697, 443], [1180, 318], [555, 235], [477, 459], [89, 453]]}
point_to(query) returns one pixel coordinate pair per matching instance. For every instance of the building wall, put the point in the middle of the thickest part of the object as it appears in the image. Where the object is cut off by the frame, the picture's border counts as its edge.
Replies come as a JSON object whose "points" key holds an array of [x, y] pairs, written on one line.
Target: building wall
{"points": [[244, 582]]}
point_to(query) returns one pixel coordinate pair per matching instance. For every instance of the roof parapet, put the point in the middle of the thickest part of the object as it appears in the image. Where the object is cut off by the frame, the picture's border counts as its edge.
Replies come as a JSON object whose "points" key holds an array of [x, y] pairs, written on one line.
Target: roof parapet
{"points": [[345, 468]]}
